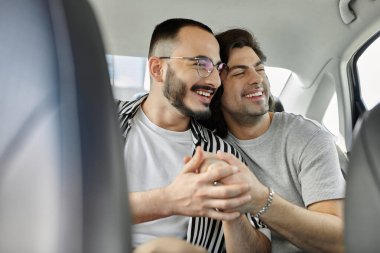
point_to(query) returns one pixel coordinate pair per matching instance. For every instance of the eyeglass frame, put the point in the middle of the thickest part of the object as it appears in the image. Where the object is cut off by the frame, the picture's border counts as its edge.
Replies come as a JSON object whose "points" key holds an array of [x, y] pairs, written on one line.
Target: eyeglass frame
{"points": [[219, 66]]}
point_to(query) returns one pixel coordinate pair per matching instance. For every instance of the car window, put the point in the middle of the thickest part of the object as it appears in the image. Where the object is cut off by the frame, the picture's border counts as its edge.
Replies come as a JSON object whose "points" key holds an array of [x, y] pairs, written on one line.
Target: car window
{"points": [[277, 78], [368, 66], [331, 122]]}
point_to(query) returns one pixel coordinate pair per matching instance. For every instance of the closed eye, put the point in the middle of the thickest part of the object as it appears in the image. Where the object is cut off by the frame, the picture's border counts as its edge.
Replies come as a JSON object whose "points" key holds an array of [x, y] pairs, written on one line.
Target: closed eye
{"points": [[260, 68], [238, 72]]}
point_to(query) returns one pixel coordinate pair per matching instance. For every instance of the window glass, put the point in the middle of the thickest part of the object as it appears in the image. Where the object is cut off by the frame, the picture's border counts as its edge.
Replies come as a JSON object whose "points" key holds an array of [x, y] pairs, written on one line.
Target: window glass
{"points": [[277, 78], [126, 71], [331, 122], [368, 66]]}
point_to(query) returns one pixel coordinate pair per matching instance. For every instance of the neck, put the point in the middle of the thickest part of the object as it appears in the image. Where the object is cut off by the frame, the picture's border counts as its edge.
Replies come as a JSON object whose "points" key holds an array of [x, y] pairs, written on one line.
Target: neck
{"points": [[251, 128], [163, 114]]}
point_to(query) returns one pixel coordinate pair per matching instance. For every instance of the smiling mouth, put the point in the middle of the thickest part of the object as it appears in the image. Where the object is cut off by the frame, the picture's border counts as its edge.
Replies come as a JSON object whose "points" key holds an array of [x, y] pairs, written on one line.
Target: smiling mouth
{"points": [[204, 91], [255, 94]]}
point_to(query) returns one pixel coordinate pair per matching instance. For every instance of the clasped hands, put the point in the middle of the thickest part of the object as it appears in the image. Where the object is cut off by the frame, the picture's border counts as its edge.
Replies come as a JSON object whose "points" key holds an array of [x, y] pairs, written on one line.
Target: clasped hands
{"points": [[194, 192]]}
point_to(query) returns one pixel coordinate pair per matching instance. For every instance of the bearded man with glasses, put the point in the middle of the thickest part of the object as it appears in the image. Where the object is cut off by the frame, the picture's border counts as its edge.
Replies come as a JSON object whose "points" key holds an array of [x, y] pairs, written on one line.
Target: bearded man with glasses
{"points": [[165, 149]]}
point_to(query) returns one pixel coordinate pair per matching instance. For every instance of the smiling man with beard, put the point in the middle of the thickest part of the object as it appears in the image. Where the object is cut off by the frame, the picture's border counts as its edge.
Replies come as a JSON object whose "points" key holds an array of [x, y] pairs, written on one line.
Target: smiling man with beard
{"points": [[161, 133]]}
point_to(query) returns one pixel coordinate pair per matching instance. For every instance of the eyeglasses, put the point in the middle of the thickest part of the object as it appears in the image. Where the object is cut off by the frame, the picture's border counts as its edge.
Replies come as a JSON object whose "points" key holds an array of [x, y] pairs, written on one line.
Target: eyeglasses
{"points": [[205, 66]]}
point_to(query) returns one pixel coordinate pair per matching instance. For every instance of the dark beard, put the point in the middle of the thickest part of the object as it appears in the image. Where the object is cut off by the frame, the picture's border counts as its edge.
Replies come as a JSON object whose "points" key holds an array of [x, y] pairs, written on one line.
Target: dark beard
{"points": [[248, 118], [175, 92]]}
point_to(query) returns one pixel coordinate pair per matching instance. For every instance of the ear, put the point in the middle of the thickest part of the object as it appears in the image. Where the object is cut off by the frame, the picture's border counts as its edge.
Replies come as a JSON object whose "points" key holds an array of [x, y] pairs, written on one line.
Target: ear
{"points": [[156, 68]]}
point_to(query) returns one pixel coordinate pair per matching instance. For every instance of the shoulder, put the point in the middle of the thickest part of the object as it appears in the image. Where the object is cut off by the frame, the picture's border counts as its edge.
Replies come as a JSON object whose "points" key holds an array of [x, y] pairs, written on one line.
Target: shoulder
{"points": [[298, 132], [300, 126], [126, 111], [129, 107]]}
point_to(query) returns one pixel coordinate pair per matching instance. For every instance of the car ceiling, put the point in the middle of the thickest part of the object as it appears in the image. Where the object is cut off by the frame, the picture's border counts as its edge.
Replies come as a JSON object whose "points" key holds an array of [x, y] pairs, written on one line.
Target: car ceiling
{"points": [[300, 35]]}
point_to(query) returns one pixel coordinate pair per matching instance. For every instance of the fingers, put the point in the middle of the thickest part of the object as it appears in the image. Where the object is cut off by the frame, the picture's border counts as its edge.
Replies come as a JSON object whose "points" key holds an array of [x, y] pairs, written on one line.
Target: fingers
{"points": [[195, 162], [201, 197], [221, 172], [227, 191], [229, 158], [186, 159], [209, 163], [218, 171], [230, 203], [217, 215]]}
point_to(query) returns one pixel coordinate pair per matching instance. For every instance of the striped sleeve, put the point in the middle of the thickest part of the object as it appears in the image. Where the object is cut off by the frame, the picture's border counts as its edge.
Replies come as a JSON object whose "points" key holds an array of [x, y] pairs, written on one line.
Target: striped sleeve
{"points": [[207, 232]]}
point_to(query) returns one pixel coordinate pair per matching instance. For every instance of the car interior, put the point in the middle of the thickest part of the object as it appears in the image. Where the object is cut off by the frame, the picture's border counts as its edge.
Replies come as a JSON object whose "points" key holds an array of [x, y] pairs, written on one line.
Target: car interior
{"points": [[62, 177]]}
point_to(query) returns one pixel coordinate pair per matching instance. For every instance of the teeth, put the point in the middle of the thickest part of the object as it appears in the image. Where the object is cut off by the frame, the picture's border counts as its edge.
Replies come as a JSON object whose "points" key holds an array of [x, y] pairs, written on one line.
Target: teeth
{"points": [[256, 94], [203, 93]]}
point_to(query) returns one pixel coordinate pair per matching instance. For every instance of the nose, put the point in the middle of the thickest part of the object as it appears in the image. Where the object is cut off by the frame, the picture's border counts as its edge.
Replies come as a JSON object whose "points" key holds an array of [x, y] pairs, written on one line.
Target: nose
{"points": [[255, 77], [213, 79]]}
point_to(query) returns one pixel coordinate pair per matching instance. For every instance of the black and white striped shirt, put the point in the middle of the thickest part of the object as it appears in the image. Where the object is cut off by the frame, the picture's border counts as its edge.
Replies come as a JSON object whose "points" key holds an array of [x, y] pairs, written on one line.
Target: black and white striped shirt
{"points": [[202, 231]]}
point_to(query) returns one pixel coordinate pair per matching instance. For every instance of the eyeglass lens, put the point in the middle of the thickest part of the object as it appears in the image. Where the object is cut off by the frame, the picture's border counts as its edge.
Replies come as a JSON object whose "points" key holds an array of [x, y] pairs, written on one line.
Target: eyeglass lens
{"points": [[206, 66]]}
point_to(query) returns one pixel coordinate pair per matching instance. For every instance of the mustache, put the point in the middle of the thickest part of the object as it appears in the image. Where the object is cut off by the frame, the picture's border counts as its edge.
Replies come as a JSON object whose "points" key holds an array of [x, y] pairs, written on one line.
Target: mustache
{"points": [[203, 87]]}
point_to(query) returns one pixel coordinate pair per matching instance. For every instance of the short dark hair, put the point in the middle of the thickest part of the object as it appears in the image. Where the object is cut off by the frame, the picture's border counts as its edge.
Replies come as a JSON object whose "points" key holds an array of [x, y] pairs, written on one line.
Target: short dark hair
{"points": [[237, 38], [168, 30], [228, 40]]}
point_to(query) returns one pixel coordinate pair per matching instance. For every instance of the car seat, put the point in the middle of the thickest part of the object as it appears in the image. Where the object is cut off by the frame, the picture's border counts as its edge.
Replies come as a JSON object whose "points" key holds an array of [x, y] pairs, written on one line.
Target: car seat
{"points": [[362, 204], [62, 178]]}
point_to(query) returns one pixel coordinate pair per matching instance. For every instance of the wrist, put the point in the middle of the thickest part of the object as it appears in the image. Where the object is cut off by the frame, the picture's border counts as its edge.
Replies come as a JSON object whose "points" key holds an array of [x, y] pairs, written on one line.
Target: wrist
{"points": [[164, 197], [265, 207], [235, 222]]}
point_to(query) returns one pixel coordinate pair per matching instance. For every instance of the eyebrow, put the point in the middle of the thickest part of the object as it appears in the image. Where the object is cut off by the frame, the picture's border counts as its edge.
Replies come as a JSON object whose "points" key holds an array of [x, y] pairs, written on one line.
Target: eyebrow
{"points": [[245, 66]]}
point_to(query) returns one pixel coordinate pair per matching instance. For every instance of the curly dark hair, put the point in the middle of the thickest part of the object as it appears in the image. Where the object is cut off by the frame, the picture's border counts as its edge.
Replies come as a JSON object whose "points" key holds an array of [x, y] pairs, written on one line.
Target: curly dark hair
{"points": [[228, 40]]}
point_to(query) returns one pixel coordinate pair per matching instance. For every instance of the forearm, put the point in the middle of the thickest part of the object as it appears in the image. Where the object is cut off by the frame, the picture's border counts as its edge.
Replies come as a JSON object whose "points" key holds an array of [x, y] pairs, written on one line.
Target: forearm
{"points": [[168, 245], [309, 230], [241, 236], [147, 206]]}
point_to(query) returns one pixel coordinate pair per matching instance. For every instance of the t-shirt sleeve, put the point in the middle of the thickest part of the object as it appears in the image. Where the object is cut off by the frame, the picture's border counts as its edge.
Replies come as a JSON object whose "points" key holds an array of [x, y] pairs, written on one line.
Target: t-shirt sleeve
{"points": [[320, 175]]}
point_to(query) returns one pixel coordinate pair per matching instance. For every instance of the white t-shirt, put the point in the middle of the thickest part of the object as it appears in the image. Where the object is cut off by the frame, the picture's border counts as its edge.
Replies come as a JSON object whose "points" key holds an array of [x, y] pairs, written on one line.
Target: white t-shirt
{"points": [[154, 157]]}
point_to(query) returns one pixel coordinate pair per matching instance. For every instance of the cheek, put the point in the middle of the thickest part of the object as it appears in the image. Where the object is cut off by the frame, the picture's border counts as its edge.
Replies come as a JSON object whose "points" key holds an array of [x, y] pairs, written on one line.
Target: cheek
{"points": [[191, 79], [229, 93], [227, 99], [266, 82], [187, 79], [186, 74]]}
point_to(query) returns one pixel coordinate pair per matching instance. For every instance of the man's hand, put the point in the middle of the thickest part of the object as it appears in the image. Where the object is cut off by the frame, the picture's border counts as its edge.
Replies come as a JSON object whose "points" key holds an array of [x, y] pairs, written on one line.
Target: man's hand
{"points": [[211, 161], [194, 194], [258, 191]]}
